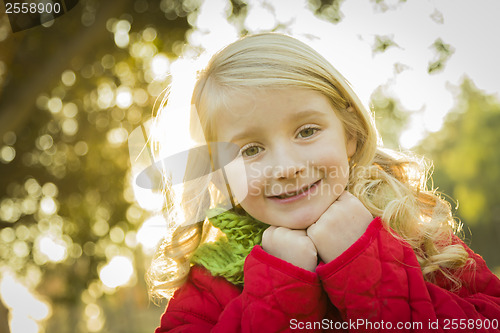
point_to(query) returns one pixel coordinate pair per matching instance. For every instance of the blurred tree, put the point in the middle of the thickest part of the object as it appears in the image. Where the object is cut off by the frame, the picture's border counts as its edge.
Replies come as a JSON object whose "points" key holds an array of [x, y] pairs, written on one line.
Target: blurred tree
{"points": [[382, 43], [327, 9], [390, 117], [72, 91], [443, 53], [466, 156]]}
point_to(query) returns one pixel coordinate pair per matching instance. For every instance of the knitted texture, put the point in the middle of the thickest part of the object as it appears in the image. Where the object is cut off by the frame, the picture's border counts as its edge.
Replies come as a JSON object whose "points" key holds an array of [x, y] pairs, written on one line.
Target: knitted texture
{"points": [[226, 256]]}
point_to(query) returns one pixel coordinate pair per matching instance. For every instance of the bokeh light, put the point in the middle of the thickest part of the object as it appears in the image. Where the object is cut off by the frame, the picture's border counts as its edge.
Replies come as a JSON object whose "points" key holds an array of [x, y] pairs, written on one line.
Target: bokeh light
{"points": [[68, 78], [123, 97], [27, 309], [76, 226], [95, 317], [7, 154], [55, 250], [48, 205], [117, 136], [10, 138], [69, 126], [81, 148], [152, 231], [54, 105], [117, 272], [121, 30], [160, 66], [149, 34]]}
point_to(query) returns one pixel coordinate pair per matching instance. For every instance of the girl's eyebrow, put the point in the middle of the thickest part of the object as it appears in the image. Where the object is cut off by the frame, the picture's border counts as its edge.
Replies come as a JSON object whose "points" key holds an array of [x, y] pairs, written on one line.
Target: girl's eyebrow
{"points": [[299, 115], [250, 131], [307, 113]]}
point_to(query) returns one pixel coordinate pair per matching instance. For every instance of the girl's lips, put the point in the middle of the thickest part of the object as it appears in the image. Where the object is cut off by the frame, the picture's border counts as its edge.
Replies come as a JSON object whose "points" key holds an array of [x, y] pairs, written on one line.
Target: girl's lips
{"points": [[299, 196]]}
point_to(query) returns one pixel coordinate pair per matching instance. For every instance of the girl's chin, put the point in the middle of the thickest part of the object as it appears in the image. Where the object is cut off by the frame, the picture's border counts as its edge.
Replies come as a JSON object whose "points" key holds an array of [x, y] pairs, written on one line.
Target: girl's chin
{"points": [[299, 223], [300, 219]]}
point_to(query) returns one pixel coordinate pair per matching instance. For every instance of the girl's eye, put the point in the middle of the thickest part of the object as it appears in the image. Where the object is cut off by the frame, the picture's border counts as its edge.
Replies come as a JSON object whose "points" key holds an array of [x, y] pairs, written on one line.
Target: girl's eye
{"points": [[307, 132], [251, 151]]}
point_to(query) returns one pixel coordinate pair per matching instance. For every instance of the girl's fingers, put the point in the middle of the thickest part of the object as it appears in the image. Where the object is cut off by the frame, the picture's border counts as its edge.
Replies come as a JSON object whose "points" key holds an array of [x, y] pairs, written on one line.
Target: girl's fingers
{"points": [[267, 233]]}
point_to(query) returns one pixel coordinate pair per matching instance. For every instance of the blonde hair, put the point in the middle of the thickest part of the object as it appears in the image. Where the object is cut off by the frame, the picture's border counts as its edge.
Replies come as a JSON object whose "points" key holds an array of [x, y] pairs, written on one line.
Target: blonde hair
{"points": [[391, 185]]}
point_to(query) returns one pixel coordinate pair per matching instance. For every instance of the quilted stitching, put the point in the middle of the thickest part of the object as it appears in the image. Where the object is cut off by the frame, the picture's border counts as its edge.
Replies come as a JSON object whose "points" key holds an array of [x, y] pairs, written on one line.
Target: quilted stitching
{"points": [[378, 278]]}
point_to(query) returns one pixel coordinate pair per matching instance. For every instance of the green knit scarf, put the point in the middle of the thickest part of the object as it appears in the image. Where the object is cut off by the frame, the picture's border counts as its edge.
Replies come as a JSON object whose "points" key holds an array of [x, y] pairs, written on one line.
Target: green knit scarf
{"points": [[226, 256]]}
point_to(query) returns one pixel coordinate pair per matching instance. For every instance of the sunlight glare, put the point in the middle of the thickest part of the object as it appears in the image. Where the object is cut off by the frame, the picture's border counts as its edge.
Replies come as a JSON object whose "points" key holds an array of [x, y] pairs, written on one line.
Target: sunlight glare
{"points": [[160, 66], [152, 231], [26, 309], [171, 129], [150, 200], [48, 205], [19, 324], [213, 29], [123, 97], [259, 18], [166, 135], [410, 137], [55, 250], [117, 272]]}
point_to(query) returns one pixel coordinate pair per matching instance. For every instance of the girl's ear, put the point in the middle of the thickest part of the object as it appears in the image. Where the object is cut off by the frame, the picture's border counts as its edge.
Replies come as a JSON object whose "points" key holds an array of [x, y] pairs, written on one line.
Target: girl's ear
{"points": [[351, 144]]}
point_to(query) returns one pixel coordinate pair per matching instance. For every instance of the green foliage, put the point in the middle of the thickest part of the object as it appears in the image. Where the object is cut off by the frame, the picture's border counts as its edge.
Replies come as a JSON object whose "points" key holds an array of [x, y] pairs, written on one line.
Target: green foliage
{"points": [[466, 157], [327, 9], [68, 183], [390, 118], [443, 53], [382, 43], [466, 154], [382, 5]]}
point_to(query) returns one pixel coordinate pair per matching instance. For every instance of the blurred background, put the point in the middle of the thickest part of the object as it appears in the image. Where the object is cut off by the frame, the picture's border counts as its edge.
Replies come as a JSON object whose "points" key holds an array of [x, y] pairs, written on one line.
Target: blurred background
{"points": [[75, 237]]}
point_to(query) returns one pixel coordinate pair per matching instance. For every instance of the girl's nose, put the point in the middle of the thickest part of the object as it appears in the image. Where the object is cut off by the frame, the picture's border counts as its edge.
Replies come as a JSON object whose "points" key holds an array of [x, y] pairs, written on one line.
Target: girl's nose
{"points": [[287, 164]]}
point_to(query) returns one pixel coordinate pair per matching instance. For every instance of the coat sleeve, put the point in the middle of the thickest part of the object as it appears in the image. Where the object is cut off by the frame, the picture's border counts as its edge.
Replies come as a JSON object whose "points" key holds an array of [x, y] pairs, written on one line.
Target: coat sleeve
{"points": [[276, 296], [377, 285]]}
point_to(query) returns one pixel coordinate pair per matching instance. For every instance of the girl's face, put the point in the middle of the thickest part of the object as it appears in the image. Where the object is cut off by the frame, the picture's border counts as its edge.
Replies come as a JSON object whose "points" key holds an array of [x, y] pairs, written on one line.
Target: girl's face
{"points": [[294, 150]]}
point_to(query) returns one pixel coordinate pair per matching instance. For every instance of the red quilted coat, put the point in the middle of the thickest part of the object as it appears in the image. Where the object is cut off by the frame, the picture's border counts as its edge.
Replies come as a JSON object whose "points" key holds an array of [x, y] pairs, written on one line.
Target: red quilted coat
{"points": [[374, 286]]}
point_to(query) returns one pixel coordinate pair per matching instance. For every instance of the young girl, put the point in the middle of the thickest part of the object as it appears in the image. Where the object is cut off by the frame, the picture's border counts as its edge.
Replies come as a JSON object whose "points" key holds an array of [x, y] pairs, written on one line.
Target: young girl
{"points": [[334, 232]]}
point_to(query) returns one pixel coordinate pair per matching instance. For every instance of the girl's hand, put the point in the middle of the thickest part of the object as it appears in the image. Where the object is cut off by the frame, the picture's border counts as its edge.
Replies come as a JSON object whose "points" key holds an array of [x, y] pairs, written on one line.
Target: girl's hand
{"points": [[290, 245], [339, 226]]}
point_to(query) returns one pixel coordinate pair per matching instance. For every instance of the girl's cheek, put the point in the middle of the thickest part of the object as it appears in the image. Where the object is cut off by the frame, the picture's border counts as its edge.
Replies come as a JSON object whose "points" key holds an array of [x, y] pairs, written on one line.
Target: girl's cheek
{"points": [[339, 171], [254, 187], [255, 177], [237, 176]]}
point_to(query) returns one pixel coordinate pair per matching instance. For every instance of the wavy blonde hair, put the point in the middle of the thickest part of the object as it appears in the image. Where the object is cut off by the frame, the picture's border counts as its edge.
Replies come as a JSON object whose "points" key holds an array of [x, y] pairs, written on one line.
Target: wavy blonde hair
{"points": [[391, 185]]}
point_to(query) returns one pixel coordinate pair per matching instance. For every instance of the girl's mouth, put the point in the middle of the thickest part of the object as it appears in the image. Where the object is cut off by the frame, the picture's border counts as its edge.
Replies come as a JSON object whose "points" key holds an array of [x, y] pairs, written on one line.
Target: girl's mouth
{"points": [[293, 196]]}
